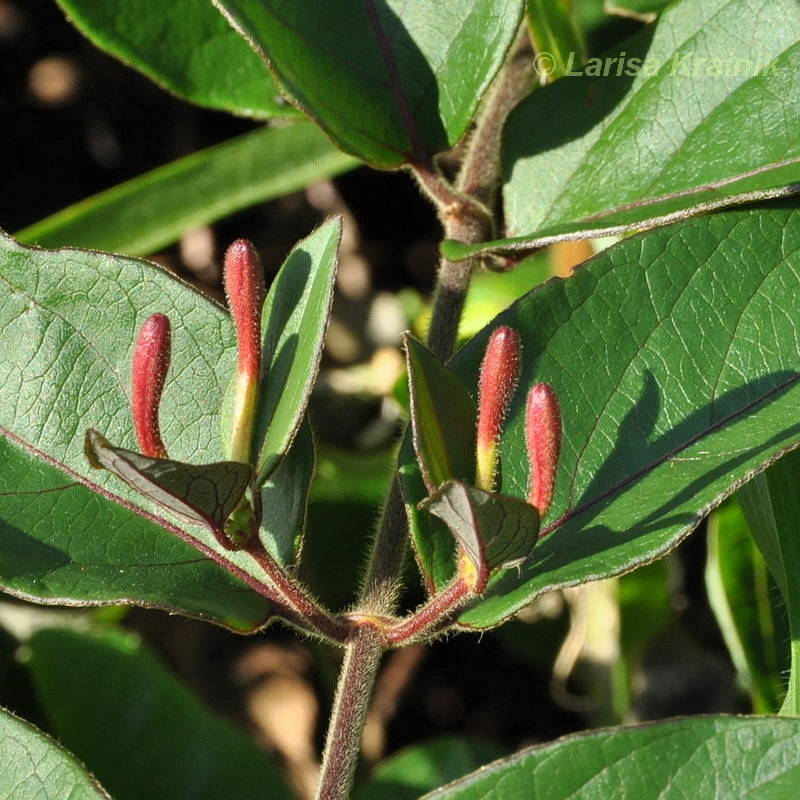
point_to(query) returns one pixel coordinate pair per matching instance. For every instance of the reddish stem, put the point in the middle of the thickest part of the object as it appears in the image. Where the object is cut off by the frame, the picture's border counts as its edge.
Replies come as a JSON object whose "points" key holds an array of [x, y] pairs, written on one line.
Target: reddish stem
{"points": [[430, 617], [292, 600]]}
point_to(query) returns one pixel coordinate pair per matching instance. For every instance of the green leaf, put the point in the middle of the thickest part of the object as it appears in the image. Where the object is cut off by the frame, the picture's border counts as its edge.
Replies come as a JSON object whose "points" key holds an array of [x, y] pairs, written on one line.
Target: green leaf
{"points": [[294, 322], [187, 48], [492, 292], [645, 10], [284, 499], [390, 82], [76, 535], [443, 418], [701, 140], [149, 212], [37, 768], [674, 357], [425, 766], [202, 493], [646, 607], [556, 38], [496, 532], [720, 757], [432, 543], [741, 595], [144, 734], [770, 507]]}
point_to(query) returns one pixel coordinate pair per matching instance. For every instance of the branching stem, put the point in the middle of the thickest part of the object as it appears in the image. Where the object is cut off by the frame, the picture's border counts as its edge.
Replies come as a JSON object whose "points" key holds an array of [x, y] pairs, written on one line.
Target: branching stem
{"points": [[465, 216], [292, 602], [431, 617]]}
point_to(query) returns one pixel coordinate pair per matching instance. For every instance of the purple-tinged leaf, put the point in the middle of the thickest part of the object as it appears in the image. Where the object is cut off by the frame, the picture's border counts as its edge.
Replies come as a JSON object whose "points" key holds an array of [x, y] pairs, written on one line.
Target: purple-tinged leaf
{"points": [[494, 531], [201, 493]]}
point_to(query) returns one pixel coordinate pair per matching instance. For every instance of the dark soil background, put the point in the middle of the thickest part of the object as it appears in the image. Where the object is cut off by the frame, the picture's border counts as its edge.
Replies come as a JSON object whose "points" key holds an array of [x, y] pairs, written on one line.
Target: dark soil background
{"points": [[74, 122]]}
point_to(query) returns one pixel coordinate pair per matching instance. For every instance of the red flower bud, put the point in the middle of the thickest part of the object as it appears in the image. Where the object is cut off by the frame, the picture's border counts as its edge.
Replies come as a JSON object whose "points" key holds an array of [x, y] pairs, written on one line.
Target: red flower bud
{"points": [[498, 380], [150, 364], [244, 286], [543, 439]]}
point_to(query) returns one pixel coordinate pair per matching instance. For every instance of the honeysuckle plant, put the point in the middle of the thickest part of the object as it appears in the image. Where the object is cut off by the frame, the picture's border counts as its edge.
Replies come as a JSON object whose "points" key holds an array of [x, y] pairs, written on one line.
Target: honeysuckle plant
{"points": [[157, 449]]}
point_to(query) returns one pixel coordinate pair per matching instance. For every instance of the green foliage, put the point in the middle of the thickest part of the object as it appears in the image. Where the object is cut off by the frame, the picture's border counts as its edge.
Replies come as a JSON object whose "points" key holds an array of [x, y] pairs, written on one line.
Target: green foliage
{"points": [[375, 76], [443, 418], [66, 369], [769, 506], [707, 757], [155, 209], [743, 595], [705, 140], [673, 354], [183, 58], [56, 475], [159, 741], [650, 444], [37, 768], [425, 766], [295, 319]]}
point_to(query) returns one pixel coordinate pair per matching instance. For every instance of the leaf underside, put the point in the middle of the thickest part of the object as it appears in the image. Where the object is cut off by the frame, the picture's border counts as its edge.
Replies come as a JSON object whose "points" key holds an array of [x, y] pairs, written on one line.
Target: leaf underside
{"points": [[496, 532], [202, 493]]}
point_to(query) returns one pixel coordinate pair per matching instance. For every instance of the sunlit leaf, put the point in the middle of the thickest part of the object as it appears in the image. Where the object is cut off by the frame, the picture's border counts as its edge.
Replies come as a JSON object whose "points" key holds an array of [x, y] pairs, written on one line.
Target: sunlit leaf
{"points": [[703, 757], [556, 37], [391, 82], [674, 356], [694, 113], [294, 321], [770, 506], [155, 209], [37, 768], [443, 418], [186, 47], [75, 535], [743, 598]]}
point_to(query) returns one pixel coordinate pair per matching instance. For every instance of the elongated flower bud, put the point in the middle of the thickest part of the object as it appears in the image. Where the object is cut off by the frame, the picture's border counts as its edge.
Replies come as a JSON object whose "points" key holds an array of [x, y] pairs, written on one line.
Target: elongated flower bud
{"points": [[244, 287], [498, 380], [543, 439], [150, 364]]}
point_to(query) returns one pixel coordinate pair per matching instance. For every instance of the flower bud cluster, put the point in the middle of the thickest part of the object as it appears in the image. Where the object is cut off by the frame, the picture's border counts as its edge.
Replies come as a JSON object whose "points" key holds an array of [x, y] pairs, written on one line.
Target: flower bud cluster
{"points": [[244, 287], [499, 376]]}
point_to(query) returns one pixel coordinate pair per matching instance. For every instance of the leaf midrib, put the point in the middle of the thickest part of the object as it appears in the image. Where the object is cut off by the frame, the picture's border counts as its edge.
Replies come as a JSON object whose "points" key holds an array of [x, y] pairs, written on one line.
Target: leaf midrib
{"points": [[667, 456]]}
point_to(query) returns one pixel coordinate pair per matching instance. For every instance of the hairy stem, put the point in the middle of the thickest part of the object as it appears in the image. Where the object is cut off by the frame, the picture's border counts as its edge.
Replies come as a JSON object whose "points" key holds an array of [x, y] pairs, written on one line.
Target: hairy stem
{"points": [[480, 171], [380, 587], [431, 617], [353, 693], [466, 218], [293, 602]]}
